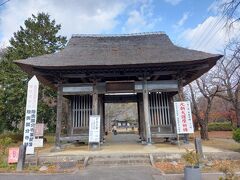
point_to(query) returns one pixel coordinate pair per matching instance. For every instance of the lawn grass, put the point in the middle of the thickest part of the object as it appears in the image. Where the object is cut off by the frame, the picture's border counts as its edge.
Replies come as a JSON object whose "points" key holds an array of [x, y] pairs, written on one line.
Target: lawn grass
{"points": [[50, 138]]}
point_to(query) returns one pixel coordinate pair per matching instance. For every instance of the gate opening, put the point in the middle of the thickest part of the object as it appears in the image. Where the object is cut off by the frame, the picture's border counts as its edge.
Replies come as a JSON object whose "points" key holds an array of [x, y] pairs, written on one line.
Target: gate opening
{"points": [[121, 123]]}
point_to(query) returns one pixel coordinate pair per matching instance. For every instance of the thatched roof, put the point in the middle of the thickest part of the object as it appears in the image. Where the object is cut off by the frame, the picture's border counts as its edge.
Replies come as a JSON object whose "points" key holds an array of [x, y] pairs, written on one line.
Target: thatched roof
{"points": [[95, 50], [103, 52]]}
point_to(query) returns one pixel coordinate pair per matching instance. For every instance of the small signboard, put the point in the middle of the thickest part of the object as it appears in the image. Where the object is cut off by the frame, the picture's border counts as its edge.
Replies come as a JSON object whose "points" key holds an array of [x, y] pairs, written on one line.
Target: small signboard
{"points": [[183, 117], [94, 129], [39, 128], [31, 114], [13, 154], [38, 142]]}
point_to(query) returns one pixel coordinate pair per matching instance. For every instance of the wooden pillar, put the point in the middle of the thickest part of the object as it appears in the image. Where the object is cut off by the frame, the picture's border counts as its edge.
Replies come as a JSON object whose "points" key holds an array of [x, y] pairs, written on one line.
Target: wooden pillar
{"points": [[100, 105], [94, 100], [138, 111], [141, 126], [172, 118], [69, 118], [142, 121], [71, 115], [180, 89], [59, 117], [104, 122], [146, 112]]}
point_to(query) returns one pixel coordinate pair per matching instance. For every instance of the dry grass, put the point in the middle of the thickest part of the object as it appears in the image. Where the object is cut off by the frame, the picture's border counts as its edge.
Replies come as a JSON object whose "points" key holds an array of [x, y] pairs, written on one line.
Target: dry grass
{"points": [[178, 167], [225, 144], [170, 168], [217, 166], [221, 140]]}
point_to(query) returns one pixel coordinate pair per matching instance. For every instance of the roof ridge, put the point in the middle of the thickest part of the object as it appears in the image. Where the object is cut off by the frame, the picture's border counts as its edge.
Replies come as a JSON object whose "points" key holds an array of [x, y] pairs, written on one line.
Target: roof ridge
{"points": [[119, 35]]}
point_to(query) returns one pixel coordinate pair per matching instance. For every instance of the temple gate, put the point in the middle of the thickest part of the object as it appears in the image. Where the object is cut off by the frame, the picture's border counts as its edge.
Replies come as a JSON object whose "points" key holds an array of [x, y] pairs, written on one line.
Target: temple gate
{"points": [[92, 70]]}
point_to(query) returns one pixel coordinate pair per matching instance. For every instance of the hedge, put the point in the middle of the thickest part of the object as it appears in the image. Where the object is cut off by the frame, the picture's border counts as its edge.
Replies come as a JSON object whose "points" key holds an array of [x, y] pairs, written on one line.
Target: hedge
{"points": [[16, 137], [220, 126], [236, 135]]}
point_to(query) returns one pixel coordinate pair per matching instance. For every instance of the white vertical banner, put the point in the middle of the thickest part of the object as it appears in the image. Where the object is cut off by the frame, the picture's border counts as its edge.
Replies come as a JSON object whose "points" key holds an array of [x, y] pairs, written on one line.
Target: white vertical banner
{"points": [[94, 129], [183, 117], [31, 114]]}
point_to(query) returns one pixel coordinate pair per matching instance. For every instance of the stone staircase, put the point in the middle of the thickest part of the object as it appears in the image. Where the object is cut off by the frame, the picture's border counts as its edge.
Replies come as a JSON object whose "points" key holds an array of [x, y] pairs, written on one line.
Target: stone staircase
{"points": [[114, 160]]}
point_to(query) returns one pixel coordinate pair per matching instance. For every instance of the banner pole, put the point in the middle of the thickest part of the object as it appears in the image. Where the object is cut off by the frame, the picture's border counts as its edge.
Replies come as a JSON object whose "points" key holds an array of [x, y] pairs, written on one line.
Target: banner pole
{"points": [[178, 141]]}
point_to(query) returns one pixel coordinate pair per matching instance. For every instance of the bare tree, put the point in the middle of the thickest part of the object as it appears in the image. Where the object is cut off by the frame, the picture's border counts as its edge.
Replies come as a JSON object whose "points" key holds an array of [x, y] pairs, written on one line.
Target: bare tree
{"points": [[4, 2], [229, 10], [208, 92], [227, 77]]}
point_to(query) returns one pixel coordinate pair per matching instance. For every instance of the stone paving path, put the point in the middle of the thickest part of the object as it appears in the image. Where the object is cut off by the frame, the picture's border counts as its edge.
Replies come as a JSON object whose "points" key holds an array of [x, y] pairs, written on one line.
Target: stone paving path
{"points": [[107, 173], [93, 173], [122, 139]]}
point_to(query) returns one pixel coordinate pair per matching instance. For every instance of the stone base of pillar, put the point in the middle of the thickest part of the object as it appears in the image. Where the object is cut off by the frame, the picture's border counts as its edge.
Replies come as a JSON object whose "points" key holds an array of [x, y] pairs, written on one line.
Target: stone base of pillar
{"points": [[56, 149]]}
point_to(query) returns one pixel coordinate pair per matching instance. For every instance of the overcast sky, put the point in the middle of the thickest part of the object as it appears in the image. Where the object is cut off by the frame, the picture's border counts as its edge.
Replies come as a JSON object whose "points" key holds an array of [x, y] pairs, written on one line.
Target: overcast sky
{"points": [[193, 24]]}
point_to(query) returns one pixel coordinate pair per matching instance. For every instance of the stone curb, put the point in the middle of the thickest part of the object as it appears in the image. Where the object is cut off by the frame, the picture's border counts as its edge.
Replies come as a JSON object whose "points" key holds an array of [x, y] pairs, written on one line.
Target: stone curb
{"points": [[48, 160]]}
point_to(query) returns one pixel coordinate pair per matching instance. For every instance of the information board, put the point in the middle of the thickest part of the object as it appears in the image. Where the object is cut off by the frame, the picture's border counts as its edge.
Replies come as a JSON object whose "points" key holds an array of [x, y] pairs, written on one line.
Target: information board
{"points": [[94, 129], [39, 128], [13, 154], [38, 142], [183, 117]]}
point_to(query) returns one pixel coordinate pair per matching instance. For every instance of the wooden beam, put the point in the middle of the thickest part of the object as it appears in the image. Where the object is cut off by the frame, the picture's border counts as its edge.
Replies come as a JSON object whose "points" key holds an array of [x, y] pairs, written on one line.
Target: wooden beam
{"points": [[81, 138], [163, 85], [87, 88], [146, 112], [107, 74], [120, 98], [163, 73], [77, 75], [59, 117], [200, 67], [155, 77]]}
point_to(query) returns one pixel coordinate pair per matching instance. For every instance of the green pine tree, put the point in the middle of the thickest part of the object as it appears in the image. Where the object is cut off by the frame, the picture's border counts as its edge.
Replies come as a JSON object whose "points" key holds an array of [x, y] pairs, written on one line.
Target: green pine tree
{"points": [[39, 36]]}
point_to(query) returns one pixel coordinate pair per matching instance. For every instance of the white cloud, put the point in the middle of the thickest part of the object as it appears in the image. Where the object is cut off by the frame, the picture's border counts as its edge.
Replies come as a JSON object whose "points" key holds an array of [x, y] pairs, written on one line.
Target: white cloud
{"points": [[141, 19], [91, 16], [211, 35], [181, 21], [173, 2], [135, 22]]}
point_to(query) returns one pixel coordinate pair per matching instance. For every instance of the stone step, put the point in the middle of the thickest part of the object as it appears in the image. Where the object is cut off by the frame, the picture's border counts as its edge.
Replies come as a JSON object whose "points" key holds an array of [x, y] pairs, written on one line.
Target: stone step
{"points": [[120, 161], [121, 156]]}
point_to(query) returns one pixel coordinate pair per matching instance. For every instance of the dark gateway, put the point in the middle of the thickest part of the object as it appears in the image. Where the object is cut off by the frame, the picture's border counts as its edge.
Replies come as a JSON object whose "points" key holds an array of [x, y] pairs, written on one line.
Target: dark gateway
{"points": [[145, 68]]}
